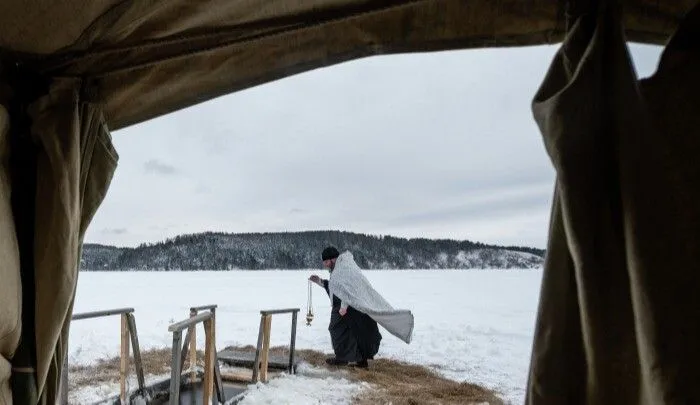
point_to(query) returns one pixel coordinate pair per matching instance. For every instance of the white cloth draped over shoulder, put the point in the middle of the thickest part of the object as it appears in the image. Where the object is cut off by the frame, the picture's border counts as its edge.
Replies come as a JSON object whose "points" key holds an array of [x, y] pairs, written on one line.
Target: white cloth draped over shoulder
{"points": [[349, 284]]}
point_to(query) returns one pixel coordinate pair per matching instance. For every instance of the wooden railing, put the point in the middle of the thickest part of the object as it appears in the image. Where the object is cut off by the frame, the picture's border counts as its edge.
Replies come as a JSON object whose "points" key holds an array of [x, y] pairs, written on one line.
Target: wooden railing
{"points": [[262, 351], [192, 332], [128, 330], [212, 375]]}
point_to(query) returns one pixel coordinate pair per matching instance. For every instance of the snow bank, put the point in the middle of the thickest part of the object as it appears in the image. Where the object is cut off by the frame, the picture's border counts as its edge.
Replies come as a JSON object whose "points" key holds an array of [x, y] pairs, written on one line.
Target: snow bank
{"points": [[310, 386], [471, 325]]}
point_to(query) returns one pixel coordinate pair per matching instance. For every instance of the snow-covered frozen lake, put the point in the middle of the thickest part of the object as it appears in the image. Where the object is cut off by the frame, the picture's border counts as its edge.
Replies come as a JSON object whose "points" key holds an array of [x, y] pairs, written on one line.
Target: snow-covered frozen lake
{"points": [[473, 325]]}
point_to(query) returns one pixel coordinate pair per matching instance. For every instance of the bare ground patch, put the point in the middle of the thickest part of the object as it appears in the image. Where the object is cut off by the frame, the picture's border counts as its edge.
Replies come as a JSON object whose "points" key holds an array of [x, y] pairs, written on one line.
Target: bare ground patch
{"points": [[400, 383], [155, 362], [409, 384], [396, 382]]}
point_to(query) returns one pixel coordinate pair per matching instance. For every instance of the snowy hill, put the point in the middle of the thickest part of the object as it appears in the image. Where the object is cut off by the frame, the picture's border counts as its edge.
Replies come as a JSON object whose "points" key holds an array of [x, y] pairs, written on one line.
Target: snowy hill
{"points": [[301, 250]]}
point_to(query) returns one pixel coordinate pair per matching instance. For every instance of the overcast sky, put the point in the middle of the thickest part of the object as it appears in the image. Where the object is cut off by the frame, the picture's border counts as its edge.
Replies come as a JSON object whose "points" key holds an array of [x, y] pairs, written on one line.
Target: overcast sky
{"points": [[437, 145]]}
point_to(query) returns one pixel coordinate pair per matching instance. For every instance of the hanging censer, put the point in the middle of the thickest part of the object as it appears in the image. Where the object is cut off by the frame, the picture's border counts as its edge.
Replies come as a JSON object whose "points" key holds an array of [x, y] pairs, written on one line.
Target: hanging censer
{"points": [[309, 308]]}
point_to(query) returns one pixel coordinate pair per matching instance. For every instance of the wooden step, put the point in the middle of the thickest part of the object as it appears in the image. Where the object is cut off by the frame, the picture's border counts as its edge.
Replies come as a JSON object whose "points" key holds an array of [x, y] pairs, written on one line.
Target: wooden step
{"points": [[239, 358]]}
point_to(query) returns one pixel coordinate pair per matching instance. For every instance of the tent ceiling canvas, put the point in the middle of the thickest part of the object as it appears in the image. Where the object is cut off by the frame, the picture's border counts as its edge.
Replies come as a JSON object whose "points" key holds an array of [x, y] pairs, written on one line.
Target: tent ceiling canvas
{"points": [[148, 58]]}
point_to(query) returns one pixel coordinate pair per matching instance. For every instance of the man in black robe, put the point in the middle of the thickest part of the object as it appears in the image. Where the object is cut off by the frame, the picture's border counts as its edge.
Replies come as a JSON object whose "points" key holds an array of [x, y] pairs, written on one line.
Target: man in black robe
{"points": [[354, 335]]}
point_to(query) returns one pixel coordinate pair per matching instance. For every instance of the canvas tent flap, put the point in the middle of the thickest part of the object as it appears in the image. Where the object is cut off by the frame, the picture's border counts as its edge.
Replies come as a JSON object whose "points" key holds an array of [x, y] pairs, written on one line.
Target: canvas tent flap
{"points": [[66, 165], [151, 58], [618, 313], [73, 142], [10, 291]]}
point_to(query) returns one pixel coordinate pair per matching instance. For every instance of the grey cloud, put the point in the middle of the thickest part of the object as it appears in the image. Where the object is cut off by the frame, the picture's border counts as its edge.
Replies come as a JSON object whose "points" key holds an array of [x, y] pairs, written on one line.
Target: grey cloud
{"points": [[376, 145], [203, 189], [114, 231], [154, 166], [491, 209]]}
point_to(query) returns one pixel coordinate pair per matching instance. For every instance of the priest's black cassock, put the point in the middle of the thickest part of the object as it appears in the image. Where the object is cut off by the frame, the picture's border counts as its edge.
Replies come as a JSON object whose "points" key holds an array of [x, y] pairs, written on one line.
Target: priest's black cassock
{"points": [[355, 335]]}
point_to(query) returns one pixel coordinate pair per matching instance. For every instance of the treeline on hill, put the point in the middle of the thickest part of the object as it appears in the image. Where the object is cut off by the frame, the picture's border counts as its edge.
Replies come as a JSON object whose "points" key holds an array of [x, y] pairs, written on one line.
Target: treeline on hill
{"points": [[301, 250]]}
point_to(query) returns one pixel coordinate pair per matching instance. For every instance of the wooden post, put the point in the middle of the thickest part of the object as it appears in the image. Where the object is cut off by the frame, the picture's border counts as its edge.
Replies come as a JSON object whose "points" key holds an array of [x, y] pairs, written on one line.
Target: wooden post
{"points": [[266, 347], [218, 384], [292, 342], [138, 364], [213, 326], [175, 368], [124, 360], [193, 347], [258, 348], [207, 388], [185, 350]]}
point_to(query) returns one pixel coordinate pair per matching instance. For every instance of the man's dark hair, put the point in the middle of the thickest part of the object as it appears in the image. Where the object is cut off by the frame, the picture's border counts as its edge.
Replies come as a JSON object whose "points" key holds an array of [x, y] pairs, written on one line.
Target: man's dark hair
{"points": [[329, 253]]}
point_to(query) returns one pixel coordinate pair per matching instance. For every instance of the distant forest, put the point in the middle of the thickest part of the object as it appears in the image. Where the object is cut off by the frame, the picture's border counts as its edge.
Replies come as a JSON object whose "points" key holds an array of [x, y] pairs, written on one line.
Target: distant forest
{"points": [[302, 250]]}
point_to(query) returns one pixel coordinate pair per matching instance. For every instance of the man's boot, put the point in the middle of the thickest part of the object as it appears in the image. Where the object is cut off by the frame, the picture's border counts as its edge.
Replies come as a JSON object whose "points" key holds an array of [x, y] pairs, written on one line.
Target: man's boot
{"points": [[332, 361], [362, 364]]}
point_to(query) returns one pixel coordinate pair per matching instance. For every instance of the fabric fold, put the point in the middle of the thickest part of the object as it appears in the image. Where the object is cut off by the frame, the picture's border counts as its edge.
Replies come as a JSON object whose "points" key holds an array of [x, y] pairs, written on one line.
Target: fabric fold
{"points": [[352, 287], [74, 163], [617, 322], [10, 283]]}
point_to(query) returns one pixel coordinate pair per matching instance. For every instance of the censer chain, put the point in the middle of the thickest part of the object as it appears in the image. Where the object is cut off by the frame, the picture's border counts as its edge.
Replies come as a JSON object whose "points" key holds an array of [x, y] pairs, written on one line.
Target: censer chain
{"points": [[309, 307]]}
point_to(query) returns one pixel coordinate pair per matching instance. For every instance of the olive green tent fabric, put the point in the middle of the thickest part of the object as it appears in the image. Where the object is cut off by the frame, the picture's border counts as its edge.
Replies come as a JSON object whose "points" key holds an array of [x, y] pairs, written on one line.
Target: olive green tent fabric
{"points": [[10, 291], [148, 58], [113, 63], [74, 163], [619, 315]]}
